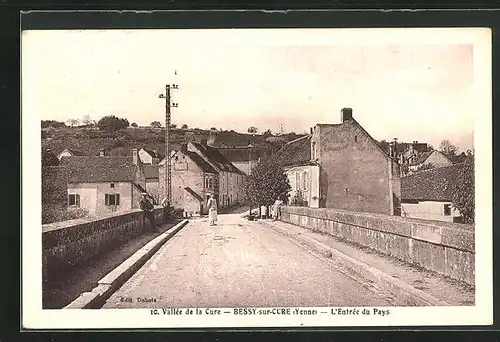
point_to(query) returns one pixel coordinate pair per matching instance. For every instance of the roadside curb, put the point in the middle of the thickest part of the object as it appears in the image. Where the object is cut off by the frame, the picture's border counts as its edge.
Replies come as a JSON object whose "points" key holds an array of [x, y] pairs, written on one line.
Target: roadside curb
{"points": [[117, 277], [404, 293]]}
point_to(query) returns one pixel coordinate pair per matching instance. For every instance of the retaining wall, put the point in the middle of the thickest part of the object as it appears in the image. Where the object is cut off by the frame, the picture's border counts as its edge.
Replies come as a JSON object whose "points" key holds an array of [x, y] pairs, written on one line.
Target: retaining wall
{"points": [[443, 247], [69, 243]]}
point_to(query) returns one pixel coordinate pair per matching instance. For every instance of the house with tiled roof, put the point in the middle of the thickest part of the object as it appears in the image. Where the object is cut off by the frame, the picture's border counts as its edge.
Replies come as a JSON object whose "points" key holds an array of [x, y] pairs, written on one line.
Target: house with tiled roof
{"points": [[302, 172], [202, 170], [150, 156], [433, 157], [428, 194], [104, 184], [341, 166], [69, 153], [152, 177]]}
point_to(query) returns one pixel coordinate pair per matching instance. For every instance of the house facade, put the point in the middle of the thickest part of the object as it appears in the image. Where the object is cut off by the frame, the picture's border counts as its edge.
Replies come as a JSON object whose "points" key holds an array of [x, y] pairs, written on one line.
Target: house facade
{"points": [[428, 194], [341, 166], [69, 153], [193, 179], [198, 171], [152, 185], [150, 157], [103, 184], [433, 157]]}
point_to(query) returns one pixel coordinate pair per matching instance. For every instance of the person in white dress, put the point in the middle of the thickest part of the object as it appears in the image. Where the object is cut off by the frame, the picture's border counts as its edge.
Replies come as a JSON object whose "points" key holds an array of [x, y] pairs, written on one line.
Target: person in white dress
{"points": [[212, 210]]}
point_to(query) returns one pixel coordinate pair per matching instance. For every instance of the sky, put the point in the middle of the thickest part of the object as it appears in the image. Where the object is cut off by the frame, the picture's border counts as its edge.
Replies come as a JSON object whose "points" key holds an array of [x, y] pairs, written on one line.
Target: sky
{"points": [[410, 88]]}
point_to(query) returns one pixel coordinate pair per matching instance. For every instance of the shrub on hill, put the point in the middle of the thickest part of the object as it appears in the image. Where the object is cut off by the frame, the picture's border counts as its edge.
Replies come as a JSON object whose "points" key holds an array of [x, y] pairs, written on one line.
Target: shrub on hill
{"points": [[112, 123]]}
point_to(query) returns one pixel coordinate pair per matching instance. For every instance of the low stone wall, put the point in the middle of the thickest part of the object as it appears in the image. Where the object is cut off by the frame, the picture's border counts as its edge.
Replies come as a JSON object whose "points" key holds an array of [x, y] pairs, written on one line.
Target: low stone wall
{"points": [[69, 243], [446, 248]]}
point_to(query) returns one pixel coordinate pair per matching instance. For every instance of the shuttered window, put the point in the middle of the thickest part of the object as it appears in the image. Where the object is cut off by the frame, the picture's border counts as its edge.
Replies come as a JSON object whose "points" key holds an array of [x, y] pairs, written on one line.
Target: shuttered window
{"points": [[112, 199]]}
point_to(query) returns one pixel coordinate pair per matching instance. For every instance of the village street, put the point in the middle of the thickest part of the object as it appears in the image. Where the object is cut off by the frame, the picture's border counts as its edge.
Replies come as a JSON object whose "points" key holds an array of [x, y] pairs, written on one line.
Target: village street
{"points": [[237, 263]]}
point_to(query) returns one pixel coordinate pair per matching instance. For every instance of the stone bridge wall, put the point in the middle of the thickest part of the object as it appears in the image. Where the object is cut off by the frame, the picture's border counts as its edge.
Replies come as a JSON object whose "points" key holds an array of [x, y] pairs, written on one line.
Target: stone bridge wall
{"points": [[69, 243], [446, 248]]}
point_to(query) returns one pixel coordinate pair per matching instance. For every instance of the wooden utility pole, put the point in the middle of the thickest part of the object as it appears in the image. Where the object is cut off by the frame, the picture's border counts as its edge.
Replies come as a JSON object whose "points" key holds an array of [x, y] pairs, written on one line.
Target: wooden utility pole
{"points": [[168, 105]]}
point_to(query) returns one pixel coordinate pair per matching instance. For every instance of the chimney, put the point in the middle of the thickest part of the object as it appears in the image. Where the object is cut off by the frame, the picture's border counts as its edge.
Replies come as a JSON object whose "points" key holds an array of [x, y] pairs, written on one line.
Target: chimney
{"points": [[346, 114], [155, 152], [184, 148], [135, 156], [102, 152], [311, 130], [203, 142]]}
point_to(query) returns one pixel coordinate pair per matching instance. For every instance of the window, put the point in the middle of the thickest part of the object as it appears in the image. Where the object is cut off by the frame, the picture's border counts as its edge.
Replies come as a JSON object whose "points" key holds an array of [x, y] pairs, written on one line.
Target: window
{"points": [[74, 200], [209, 182], [297, 181], [112, 185], [112, 199], [447, 209]]}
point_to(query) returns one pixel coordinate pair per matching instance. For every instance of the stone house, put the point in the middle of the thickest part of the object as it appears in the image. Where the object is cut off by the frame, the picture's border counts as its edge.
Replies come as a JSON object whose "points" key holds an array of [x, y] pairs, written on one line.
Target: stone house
{"points": [[200, 169], [104, 184], [428, 194], [193, 179], [341, 166], [152, 186], [69, 153], [151, 157], [433, 157]]}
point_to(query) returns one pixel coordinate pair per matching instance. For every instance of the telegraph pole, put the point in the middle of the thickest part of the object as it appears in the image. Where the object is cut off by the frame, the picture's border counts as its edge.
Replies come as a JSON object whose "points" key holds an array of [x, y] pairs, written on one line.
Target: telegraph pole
{"points": [[168, 105]]}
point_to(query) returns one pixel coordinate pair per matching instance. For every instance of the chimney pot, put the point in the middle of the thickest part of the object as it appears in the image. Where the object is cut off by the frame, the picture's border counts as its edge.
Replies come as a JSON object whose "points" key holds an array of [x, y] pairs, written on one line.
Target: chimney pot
{"points": [[311, 130], [135, 156], [346, 114]]}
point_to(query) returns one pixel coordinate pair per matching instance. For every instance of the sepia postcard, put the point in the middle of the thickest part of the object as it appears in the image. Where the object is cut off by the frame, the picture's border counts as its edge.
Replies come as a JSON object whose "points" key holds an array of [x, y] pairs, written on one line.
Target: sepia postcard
{"points": [[256, 178]]}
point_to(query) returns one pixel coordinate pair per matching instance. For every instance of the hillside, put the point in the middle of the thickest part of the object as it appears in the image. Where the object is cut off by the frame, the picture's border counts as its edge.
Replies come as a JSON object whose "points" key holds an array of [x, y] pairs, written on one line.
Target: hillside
{"points": [[89, 140]]}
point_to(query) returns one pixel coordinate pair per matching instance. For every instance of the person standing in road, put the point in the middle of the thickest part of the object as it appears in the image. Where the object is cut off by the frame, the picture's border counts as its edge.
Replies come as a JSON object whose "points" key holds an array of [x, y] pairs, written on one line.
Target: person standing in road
{"points": [[147, 208], [277, 209], [165, 206], [212, 210]]}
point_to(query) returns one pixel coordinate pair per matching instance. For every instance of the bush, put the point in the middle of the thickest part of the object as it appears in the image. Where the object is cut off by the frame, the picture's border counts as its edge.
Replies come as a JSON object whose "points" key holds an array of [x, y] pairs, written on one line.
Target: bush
{"points": [[112, 123], [58, 214], [464, 190]]}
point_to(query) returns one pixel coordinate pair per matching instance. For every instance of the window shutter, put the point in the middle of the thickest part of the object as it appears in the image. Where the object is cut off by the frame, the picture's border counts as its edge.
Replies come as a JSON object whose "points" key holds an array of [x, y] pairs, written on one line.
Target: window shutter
{"points": [[117, 202], [106, 199], [77, 200]]}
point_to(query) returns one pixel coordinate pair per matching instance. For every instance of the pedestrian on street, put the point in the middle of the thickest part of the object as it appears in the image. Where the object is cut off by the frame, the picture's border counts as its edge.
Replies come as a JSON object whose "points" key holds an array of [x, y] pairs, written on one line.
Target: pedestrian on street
{"points": [[277, 209], [147, 209], [165, 206], [212, 210]]}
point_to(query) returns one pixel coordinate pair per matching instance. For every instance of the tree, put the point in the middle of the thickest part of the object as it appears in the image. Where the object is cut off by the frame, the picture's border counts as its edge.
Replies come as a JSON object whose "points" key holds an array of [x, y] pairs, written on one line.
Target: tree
{"points": [[156, 124], [52, 123], [267, 183], [173, 126], [133, 124], [267, 133], [463, 191], [448, 149], [252, 130], [184, 126], [73, 122], [87, 120], [112, 123]]}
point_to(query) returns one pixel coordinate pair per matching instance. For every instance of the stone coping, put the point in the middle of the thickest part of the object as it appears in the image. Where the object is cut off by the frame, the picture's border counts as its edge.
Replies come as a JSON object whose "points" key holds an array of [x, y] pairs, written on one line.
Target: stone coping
{"points": [[454, 235]]}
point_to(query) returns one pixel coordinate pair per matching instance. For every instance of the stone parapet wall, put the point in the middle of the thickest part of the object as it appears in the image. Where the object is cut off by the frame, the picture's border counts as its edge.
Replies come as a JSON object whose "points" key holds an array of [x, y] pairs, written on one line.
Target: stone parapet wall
{"points": [[443, 247], [69, 243]]}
